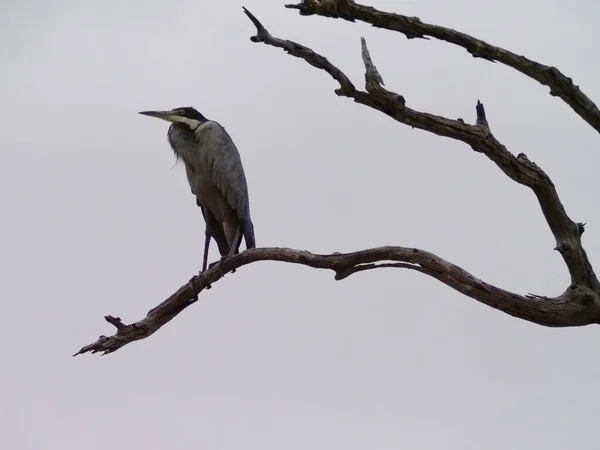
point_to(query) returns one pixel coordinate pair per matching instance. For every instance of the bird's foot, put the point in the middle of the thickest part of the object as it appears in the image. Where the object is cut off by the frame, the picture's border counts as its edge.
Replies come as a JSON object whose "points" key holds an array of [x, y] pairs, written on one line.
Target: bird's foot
{"points": [[193, 288], [213, 264], [218, 264]]}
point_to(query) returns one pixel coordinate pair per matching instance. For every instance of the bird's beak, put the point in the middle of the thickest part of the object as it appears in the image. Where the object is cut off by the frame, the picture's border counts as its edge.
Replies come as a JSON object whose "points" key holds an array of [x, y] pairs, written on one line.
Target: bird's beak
{"points": [[169, 116]]}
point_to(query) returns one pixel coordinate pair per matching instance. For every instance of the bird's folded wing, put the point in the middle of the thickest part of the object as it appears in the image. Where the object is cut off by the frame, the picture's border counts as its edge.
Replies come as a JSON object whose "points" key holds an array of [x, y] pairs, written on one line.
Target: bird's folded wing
{"points": [[225, 166]]}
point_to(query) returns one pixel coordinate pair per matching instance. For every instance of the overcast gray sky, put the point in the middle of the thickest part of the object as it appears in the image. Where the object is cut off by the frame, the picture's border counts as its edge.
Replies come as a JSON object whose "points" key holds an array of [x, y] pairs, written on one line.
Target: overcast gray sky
{"points": [[97, 219]]}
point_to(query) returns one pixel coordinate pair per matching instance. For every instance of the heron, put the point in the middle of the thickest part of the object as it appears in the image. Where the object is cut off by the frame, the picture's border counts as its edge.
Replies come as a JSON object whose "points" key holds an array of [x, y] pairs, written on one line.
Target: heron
{"points": [[216, 176]]}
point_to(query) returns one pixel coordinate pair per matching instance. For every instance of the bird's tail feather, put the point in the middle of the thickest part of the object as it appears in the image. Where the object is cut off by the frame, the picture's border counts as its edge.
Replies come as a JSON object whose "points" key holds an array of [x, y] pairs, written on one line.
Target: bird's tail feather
{"points": [[249, 235]]}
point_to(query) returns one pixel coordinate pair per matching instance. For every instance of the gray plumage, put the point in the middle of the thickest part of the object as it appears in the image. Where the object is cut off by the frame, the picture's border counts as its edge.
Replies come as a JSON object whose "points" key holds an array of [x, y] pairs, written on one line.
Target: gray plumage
{"points": [[216, 176]]}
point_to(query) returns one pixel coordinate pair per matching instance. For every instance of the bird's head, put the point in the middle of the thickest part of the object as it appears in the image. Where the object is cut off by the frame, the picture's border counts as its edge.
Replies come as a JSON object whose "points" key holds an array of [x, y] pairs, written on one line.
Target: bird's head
{"points": [[184, 115]]}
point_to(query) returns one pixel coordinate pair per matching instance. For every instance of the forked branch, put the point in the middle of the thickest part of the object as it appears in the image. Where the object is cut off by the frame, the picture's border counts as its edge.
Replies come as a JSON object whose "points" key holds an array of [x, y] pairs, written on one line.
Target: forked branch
{"points": [[578, 305], [478, 136], [560, 85]]}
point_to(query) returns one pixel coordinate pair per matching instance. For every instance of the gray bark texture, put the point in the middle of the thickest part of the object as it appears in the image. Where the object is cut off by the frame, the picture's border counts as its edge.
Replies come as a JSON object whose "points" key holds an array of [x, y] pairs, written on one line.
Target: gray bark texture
{"points": [[578, 305]]}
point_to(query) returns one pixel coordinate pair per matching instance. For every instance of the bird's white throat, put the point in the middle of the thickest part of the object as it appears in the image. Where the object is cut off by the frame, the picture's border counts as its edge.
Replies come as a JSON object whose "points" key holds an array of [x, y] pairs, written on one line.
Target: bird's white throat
{"points": [[194, 124]]}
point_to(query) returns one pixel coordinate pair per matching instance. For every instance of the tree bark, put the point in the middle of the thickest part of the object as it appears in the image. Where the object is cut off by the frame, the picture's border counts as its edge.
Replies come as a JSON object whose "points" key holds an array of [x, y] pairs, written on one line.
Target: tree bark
{"points": [[578, 305]]}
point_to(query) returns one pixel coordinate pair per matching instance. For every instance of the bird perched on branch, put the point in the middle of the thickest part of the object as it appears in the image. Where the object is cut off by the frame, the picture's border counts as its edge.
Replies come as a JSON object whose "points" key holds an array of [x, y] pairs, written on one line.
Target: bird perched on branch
{"points": [[216, 176]]}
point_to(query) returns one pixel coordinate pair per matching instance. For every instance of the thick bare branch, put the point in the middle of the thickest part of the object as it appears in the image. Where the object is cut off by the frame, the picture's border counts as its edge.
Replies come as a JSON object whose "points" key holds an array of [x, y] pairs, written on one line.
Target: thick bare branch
{"points": [[573, 308], [578, 305], [479, 137], [412, 27]]}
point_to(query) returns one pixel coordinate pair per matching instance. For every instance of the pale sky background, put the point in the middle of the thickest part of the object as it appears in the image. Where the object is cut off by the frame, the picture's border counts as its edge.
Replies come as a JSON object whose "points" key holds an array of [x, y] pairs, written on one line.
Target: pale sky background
{"points": [[96, 219]]}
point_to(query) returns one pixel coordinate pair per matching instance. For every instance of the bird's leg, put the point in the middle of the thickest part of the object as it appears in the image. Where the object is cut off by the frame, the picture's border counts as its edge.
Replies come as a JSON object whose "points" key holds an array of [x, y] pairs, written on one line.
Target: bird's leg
{"points": [[208, 234], [237, 238], [206, 245], [235, 241], [205, 259]]}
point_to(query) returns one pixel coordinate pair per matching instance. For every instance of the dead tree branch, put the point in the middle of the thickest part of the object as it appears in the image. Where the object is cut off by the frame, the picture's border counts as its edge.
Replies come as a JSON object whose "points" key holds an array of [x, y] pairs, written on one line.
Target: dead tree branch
{"points": [[578, 305], [573, 308], [478, 136], [560, 85]]}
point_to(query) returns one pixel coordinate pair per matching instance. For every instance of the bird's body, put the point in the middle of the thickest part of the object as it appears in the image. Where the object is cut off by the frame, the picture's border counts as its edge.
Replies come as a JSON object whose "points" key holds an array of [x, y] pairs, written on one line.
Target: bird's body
{"points": [[216, 176]]}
